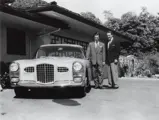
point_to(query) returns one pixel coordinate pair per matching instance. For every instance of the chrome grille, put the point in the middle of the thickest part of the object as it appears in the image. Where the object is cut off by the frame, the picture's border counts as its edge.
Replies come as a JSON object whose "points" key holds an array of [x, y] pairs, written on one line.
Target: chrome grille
{"points": [[45, 73], [29, 69], [62, 69]]}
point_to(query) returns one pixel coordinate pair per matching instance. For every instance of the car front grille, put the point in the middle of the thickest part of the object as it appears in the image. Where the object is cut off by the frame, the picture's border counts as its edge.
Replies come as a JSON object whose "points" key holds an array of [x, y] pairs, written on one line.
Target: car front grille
{"points": [[29, 69], [62, 69], [45, 73]]}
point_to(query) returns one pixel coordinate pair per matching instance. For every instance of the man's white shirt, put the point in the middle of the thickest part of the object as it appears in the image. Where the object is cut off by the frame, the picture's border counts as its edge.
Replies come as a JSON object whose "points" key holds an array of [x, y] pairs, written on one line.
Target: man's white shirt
{"points": [[110, 43], [96, 44]]}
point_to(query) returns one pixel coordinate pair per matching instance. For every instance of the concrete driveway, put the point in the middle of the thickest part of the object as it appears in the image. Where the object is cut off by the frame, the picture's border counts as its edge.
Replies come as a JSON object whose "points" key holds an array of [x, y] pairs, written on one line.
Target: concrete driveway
{"points": [[134, 100]]}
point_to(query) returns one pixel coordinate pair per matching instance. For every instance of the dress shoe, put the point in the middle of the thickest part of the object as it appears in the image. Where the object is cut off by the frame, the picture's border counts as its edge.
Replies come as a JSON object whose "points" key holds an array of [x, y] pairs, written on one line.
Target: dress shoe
{"points": [[115, 86], [100, 87], [96, 87], [109, 85]]}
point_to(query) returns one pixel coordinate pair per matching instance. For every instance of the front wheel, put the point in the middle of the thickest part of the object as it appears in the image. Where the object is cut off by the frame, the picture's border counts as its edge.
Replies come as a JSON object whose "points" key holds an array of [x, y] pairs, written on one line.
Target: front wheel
{"points": [[88, 81]]}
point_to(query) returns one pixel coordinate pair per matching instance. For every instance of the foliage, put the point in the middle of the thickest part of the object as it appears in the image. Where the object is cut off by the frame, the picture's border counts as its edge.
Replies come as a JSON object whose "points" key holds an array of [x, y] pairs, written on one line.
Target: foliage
{"points": [[149, 65], [113, 23], [4, 74], [123, 69], [5, 80], [142, 28], [108, 14], [25, 4], [91, 16]]}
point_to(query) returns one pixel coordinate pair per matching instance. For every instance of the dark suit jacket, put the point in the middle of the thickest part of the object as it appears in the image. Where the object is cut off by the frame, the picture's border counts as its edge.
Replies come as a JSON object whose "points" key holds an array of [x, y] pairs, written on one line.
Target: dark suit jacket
{"points": [[113, 52], [96, 55]]}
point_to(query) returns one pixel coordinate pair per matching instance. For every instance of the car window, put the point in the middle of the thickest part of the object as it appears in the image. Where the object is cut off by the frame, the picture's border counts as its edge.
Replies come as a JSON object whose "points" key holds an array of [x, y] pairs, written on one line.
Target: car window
{"points": [[60, 51]]}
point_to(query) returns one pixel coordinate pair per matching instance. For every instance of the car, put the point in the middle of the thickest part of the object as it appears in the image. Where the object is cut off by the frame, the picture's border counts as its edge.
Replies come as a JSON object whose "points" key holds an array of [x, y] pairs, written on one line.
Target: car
{"points": [[54, 66]]}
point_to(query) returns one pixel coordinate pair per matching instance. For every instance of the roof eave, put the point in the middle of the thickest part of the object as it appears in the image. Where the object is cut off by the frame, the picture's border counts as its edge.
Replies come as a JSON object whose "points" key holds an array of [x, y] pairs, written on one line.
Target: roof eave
{"points": [[75, 16], [34, 17]]}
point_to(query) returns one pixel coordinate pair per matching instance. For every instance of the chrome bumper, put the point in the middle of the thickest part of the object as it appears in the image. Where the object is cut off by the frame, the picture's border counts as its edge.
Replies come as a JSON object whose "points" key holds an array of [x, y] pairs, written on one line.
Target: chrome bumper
{"points": [[34, 84]]}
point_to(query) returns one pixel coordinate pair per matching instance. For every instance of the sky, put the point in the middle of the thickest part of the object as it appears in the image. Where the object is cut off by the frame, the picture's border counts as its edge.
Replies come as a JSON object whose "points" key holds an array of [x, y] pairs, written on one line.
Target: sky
{"points": [[117, 7]]}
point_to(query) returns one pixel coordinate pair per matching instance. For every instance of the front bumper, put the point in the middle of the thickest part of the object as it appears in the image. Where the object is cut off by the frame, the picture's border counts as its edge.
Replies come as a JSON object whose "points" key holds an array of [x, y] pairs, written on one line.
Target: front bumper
{"points": [[34, 84]]}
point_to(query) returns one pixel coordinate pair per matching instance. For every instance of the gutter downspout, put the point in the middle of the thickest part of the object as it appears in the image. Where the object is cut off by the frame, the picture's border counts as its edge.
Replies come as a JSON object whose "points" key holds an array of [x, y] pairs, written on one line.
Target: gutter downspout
{"points": [[40, 35]]}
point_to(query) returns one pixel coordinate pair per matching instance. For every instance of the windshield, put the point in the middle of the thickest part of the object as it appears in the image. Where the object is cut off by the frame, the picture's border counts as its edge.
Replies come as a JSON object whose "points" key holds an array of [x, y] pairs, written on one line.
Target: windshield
{"points": [[60, 51]]}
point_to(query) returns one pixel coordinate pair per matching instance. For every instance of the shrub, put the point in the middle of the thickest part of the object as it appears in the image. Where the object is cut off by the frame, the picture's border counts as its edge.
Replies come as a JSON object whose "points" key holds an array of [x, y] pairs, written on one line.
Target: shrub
{"points": [[149, 65]]}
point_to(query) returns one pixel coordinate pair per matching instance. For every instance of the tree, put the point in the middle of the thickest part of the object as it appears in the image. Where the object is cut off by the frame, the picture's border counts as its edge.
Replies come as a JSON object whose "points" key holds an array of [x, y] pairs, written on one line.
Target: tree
{"points": [[25, 4], [91, 16], [143, 29], [108, 14], [111, 22]]}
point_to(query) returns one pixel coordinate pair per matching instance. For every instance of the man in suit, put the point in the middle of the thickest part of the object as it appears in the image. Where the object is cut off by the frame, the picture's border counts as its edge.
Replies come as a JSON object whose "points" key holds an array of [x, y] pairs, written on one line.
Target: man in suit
{"points": [[113, 52], [96, 55]]}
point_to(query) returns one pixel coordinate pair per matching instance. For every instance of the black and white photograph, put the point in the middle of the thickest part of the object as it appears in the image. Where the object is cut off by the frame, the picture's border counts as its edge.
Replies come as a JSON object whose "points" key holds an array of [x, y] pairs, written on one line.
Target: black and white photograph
{"points": [[79, 60]]}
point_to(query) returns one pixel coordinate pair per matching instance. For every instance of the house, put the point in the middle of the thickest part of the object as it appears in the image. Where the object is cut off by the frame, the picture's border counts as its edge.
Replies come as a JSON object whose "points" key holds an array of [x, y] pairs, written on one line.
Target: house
{"points": [[22, 32]]}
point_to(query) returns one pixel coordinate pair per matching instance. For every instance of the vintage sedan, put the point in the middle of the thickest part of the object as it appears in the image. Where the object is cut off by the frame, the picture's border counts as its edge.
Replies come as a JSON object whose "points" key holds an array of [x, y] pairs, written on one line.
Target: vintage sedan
{"points": [[55, 65]]}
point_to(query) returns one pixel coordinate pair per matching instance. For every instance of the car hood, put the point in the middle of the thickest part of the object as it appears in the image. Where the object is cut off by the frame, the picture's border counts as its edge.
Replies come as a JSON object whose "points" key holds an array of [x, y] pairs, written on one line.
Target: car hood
{"points": [[50, 60]]}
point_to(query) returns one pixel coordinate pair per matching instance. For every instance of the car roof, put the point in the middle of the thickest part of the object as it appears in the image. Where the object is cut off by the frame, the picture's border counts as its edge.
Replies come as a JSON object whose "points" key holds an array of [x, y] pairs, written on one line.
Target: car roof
{"points": [[67, 45]]}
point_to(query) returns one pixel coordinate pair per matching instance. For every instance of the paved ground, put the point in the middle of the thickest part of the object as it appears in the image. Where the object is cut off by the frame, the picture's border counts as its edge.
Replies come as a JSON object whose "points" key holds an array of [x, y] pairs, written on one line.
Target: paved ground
{"points": [[134, 100]]}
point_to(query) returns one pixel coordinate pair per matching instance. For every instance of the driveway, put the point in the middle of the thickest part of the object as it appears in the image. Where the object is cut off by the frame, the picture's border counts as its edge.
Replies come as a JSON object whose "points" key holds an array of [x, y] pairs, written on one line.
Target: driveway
{"points": [[134, 100]]}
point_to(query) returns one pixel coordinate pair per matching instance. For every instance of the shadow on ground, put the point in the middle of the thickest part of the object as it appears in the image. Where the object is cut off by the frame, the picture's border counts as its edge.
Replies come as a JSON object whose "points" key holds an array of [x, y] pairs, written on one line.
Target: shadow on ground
{"points": [[105, 87], [66, 102]]}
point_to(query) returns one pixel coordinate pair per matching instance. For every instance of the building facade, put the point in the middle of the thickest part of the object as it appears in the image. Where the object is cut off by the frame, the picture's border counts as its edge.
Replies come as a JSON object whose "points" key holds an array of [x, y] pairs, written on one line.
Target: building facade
{"points": [[22, 32]]}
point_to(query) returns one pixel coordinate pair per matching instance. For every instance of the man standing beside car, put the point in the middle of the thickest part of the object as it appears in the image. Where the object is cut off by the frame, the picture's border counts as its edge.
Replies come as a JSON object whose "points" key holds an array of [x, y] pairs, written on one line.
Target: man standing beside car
{"points": [[96, 55], [113, 51]]}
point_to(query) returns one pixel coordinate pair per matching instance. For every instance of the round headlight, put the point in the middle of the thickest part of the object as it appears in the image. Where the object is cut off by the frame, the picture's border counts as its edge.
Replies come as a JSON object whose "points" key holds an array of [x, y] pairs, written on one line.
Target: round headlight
{"points": [[77, 66], [14, 67]]}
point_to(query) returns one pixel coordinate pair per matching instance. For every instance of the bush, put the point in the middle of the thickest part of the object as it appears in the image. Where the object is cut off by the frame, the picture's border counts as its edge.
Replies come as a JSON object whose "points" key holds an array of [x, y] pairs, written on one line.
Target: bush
{"points": [[147, 73], [4, 74], [149, 65]]}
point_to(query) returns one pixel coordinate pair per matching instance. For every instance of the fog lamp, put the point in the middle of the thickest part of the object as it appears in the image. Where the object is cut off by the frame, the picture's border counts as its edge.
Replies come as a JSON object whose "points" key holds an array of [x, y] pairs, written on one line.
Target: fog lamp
{"points": [[78, 79], [14, 80]]}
